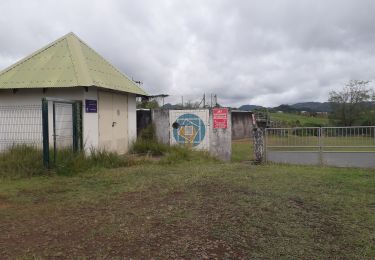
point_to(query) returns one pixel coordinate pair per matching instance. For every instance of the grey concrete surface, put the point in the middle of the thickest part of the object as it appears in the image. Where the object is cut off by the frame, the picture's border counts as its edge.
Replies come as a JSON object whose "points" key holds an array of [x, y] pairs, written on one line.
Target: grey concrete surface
{"points": [[160, 118], [242, 125], [221, 140]]}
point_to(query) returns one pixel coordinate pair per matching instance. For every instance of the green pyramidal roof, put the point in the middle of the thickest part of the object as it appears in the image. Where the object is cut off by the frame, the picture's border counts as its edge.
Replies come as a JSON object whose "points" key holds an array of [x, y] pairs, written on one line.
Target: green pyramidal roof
{"points": [[67, 62]]}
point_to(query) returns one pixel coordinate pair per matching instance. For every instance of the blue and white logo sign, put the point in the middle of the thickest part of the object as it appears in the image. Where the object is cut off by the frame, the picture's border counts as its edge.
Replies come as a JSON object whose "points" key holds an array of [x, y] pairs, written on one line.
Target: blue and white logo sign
{"points": [[189, 129]]}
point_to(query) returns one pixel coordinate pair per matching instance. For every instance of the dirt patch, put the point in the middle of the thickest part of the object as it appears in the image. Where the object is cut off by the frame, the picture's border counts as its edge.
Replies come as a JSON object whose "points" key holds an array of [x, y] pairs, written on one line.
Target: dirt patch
{"points": [[141, 224], [4, 203]]}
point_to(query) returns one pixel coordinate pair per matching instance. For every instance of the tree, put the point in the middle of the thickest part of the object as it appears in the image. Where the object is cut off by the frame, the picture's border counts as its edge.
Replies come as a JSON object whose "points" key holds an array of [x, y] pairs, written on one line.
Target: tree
{"points": [[148, 104], [352, 103]]}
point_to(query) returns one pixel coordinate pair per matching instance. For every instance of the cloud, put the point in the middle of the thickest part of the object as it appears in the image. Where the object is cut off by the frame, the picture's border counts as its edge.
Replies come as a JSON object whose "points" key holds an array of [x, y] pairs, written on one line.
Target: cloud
{"points": [[247, 52]]}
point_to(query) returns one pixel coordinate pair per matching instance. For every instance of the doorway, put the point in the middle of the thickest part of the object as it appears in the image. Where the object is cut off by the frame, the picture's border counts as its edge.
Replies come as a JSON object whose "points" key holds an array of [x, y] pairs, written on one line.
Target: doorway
{"points": [[113, 122]]}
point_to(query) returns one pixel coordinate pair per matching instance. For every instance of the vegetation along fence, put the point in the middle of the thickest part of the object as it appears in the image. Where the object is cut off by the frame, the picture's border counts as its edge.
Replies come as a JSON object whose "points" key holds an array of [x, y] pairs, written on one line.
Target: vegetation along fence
{"points": [[335, 146]]}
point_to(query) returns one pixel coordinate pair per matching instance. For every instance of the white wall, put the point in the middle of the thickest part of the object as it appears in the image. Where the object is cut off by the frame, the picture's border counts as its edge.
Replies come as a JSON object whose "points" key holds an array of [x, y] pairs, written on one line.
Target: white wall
{"points": [[90, 120], [132, 118], [34, 97]]}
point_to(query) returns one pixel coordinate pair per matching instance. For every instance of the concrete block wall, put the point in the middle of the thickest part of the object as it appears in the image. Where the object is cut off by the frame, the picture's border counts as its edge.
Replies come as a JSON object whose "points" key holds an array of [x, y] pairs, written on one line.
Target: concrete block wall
{"points": [[160, 118], [221, 140], [220, 144]]}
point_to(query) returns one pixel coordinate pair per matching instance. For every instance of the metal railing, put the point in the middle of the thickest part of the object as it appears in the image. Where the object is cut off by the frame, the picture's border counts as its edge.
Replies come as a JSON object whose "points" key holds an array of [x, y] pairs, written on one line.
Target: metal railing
{"points": [[321, 145]]}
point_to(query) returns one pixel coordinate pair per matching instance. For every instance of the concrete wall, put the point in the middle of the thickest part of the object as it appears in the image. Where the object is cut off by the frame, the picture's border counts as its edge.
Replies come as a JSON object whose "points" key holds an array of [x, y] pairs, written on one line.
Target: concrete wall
{"points": [[132, 119], [160, 118], [221, 140], [242, 125], [90, 126]]}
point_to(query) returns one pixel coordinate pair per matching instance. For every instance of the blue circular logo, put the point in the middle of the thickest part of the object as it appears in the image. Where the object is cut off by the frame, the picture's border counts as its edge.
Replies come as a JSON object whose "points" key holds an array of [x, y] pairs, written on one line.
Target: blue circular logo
{"points": [[189, 129]]}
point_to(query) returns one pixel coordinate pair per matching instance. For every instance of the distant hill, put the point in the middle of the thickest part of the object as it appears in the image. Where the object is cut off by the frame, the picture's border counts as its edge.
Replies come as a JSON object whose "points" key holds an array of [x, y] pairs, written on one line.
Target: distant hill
{"points": [[249, 107], [313, 106], [304, 106]]}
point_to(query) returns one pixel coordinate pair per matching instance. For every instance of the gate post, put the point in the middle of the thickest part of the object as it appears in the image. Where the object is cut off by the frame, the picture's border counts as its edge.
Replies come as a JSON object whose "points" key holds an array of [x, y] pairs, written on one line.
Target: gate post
{"points": [[258, 139], [45, 133]]}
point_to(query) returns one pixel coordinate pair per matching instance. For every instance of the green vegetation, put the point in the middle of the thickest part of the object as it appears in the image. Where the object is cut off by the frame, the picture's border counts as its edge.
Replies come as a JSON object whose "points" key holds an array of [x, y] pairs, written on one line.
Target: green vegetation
{"points": [[193, 209], [25, 161], [354, 104], [242, 150], [186, 204], [297, 120], [21, 161]]}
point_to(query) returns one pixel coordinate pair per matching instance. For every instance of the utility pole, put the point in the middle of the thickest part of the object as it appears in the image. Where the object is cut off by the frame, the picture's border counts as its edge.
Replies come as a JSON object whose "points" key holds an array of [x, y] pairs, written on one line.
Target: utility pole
{"points": [[204, 100], [182, 101], [211, 101]]}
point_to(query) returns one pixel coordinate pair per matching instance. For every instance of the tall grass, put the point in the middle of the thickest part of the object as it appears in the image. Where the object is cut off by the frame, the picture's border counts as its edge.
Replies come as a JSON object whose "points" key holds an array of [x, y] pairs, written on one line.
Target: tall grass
{"points": [[180, 153], [25, 161], [21, 161], [148, 144]]}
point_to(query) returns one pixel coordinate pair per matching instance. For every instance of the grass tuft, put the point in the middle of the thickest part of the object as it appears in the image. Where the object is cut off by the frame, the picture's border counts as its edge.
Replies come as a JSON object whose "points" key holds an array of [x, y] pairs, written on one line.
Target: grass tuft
{"points": [[180, 153], [149, 147]]}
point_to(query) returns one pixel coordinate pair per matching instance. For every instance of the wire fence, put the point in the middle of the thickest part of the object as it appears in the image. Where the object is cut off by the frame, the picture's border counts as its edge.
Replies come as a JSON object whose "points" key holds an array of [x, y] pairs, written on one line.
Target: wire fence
{"points": [[20, 125]]}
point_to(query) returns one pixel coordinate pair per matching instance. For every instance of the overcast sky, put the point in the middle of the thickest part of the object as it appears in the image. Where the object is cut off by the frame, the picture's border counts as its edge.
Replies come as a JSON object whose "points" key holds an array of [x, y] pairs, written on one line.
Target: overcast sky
{"points": [[265, 52]]}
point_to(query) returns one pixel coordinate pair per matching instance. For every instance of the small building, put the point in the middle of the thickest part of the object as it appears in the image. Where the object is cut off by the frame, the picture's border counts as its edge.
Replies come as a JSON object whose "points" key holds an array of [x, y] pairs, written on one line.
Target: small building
{"points": [[69, 69]]}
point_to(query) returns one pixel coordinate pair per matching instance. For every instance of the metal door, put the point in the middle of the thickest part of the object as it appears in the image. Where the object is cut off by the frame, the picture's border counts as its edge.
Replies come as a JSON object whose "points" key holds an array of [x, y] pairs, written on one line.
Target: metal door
{"points": [[120, 123], [105, 120], [113, 122], [190, 127]]}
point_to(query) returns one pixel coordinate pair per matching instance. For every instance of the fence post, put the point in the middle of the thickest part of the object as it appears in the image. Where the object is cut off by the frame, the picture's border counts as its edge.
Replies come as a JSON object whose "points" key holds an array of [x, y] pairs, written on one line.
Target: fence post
{"points": [[45, 133], [258, 145], [54, 133], [320, 137], [75, 127]]}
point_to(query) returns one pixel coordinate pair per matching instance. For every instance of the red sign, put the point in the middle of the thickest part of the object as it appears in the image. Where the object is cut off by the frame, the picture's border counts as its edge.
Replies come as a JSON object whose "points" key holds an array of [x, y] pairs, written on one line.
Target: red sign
{"points": [[220, 116]]}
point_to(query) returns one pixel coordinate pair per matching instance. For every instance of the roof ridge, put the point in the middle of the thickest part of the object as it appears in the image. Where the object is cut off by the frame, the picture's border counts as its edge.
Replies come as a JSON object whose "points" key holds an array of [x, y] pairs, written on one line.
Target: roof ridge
{"points": [[101, 56], [40, 50], [80, 65]]}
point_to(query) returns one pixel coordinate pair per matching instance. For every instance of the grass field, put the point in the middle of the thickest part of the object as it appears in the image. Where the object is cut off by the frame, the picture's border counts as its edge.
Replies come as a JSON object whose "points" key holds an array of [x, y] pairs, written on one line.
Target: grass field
{"points": [[242, 150], [195, 209], [290, 120]]}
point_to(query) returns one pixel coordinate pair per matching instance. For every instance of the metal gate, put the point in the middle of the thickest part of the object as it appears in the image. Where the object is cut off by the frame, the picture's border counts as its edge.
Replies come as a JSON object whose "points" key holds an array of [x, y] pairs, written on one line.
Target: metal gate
{"points": [[334, 146], [190, 127], [66, 129]]}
